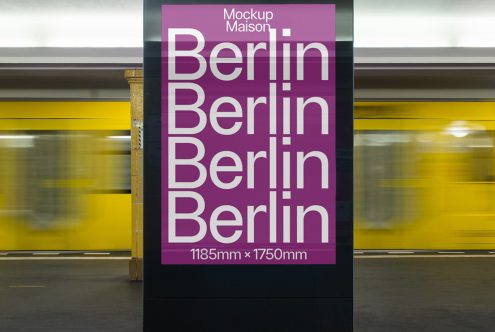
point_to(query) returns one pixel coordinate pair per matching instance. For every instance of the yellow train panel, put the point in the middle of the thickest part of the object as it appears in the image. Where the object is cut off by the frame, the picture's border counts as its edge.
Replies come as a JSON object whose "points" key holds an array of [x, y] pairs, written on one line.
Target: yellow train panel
{"points": [[116, 110], [425, 175], [65, 174]]}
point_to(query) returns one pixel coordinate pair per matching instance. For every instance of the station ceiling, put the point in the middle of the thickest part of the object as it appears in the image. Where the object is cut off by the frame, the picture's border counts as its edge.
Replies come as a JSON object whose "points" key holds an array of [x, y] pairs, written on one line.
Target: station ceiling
{"points": [[415, 49], [71, 23], [393, 27]]}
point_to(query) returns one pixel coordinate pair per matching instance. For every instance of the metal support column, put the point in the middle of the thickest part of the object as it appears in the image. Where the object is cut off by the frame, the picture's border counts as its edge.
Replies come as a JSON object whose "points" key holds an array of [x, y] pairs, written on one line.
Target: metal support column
{"points": [[135, 79]]}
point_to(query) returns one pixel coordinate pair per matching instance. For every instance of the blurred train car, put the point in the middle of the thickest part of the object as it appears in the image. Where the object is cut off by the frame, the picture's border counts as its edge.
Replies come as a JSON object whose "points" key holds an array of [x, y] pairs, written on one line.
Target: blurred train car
{"points": [[65, 176], [425, 175]]}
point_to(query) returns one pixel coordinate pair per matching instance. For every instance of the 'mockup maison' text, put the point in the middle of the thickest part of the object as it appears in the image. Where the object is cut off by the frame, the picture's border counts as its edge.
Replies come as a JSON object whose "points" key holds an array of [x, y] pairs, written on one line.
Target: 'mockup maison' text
{"points": [[247, 20]]}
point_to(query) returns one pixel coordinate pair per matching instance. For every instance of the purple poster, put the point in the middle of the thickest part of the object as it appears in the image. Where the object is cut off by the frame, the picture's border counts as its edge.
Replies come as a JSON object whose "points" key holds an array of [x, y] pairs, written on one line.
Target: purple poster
{"points": [[248, 134]]}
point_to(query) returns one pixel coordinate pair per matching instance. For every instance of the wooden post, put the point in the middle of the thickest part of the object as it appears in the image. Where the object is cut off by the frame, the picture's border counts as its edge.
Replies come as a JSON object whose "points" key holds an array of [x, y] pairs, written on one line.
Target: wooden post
{"points": [[135, 79]]}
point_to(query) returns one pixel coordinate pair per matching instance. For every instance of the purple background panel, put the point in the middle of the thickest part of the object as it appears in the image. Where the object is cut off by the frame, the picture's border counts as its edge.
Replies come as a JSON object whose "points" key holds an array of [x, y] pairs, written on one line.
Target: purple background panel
{"points": [[308, 24]]}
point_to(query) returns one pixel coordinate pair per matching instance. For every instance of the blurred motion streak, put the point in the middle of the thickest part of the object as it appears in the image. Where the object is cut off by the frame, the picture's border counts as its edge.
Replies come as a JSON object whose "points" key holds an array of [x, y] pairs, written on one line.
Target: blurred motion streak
{"points": [[425, 175], [64, 175]]}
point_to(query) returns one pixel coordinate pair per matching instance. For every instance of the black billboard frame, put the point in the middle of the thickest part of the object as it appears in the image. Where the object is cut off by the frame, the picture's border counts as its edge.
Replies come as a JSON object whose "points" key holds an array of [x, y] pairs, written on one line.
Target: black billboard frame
{"points": [[247, 297]]}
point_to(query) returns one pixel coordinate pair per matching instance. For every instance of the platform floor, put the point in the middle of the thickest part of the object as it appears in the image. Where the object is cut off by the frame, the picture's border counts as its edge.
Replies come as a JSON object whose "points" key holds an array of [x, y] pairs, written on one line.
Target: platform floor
{"points": [[425, 294], [68, 295], [391, 294]]}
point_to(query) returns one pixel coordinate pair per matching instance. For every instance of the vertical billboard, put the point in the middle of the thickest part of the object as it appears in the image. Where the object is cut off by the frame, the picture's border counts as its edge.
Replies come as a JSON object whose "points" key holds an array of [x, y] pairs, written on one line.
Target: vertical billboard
{"points": [[248, 134], [248, 165]]}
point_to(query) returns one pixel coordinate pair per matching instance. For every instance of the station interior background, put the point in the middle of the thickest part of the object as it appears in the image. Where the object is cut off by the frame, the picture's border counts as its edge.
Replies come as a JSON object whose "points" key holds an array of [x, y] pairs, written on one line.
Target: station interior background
{"points": [[424, 151]]}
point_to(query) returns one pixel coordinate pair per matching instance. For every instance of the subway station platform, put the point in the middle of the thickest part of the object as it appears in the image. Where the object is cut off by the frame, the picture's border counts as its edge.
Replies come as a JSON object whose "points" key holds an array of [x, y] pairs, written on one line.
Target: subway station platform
{"points": [[424, 293], [406, 293], [68, 294]]}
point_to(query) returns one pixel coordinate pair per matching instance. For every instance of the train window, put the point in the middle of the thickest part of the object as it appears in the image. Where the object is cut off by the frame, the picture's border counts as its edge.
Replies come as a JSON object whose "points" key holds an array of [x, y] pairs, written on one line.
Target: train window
{"points": [[14, 147], [385, 162], [121, 145], [475, 146], [114, 166], [482, 158], [56, 176]]}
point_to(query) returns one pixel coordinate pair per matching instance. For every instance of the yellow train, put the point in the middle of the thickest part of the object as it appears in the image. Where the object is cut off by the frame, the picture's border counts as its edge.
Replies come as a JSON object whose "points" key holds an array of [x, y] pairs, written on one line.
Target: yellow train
{"points": [[65, 176], [424, 175]]}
